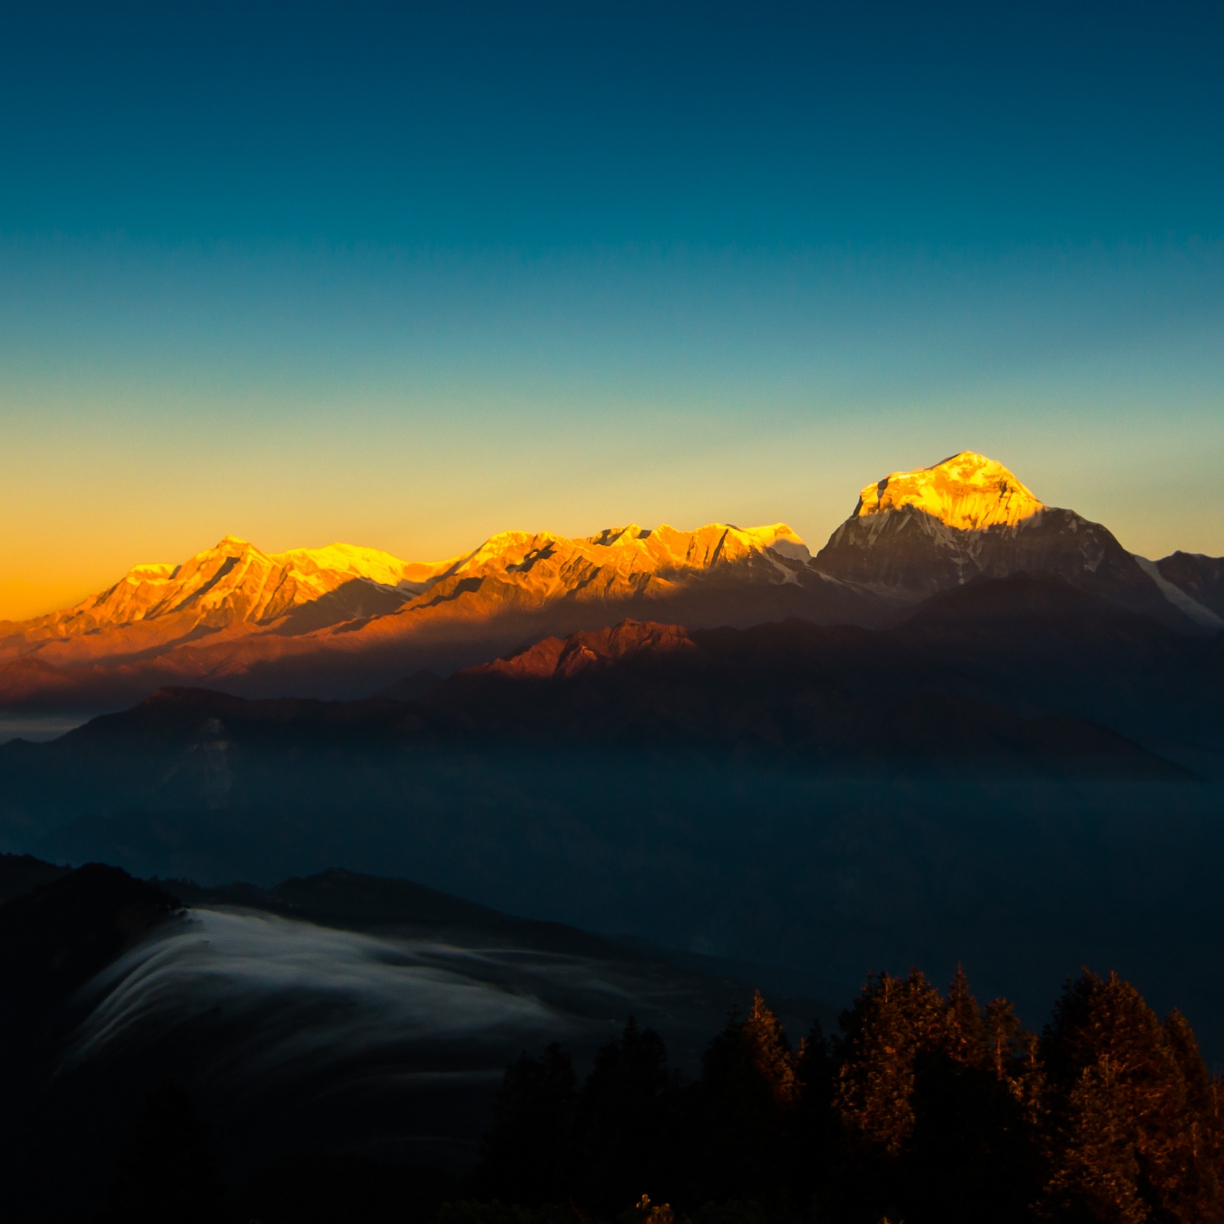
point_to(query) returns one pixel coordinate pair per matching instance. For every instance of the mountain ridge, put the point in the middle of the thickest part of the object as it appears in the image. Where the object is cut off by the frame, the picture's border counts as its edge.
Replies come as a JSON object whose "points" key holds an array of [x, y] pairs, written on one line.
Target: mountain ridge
{"points": [[342, 621], [1013, 674]]}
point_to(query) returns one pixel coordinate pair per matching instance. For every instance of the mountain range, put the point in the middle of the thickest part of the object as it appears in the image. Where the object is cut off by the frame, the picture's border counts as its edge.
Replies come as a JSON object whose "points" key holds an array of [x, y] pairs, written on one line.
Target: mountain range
{"points": [[971, 729], [344, 621], [1000, 680]]}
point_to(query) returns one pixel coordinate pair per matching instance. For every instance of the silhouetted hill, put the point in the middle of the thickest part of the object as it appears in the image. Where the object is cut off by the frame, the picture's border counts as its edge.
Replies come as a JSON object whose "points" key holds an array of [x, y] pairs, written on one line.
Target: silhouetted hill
{"points": [[1039, 643], [280, 1007], [794, 692], [356, 901], [56, 937], [23, 873]]}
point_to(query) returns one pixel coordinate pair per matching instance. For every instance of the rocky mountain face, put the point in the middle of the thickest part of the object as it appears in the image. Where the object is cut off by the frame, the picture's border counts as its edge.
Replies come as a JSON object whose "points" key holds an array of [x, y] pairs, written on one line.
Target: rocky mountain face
{"points": [[229, 586], [914, 534], [1200, 577], [342, 621], [237, 587], [717, 571]]}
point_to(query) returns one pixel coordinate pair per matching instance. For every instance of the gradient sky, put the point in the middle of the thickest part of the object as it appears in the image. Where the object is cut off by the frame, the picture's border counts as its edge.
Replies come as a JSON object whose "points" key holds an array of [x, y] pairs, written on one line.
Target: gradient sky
{"points": [[409, 275]]}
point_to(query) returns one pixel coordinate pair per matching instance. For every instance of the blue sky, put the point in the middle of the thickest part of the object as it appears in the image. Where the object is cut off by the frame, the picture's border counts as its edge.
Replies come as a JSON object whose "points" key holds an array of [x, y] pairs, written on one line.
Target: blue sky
{"points": [[408, 275]]}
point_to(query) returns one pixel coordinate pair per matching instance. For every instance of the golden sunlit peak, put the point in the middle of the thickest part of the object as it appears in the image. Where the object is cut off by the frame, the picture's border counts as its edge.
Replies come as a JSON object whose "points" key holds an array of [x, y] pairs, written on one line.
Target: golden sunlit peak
{"points": [[967, 491], [230, 542], [777, 536]]}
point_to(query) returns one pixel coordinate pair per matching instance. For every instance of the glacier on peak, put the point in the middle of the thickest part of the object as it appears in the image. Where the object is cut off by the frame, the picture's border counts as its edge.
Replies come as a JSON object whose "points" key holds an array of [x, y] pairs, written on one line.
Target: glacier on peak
{"points": [[1197, 612], [966, 491]]}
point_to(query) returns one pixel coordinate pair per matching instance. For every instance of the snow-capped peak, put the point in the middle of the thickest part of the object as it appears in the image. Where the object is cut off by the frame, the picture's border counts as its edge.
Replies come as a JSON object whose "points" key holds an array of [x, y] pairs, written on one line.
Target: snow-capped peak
{"points": [[967, 491]]}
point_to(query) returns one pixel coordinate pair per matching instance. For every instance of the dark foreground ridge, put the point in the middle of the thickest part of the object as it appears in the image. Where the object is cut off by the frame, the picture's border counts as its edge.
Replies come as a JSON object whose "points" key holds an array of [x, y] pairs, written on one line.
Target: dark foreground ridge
{"points": [[337, 1013], [917, 1106]]}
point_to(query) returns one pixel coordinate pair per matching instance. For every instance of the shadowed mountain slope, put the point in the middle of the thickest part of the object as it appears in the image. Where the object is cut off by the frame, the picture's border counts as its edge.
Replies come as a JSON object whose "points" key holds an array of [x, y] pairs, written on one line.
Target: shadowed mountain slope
{"points": [[1200, 577], [1019, 676]]}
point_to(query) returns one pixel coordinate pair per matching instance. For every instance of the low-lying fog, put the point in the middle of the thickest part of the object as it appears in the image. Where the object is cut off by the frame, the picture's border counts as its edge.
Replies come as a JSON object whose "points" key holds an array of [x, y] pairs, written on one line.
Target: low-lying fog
{"points": [[37, 728], [326, 1034]]}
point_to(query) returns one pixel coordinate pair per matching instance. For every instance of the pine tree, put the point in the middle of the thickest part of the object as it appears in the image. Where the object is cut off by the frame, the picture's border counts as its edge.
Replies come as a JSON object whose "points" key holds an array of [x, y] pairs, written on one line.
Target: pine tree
{"points": [[813, 1128], [529, 1154], [971, 1155], [964, 1037], [1096, 1171], [1191, 1185], [891, 1021], [771, 1052], [745, 1102], [1132, 1131], [1013, 1058], [621, 1115]]}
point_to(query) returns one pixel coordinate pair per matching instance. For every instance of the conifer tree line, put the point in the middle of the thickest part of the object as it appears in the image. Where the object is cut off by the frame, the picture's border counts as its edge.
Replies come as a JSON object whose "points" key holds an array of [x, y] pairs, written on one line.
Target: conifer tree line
{"points": [[923, 1109]]}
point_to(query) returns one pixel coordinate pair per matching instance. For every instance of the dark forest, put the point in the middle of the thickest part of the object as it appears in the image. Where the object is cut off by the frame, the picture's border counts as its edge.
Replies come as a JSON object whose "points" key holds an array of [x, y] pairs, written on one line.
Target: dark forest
{"points": [[922, 1107]]}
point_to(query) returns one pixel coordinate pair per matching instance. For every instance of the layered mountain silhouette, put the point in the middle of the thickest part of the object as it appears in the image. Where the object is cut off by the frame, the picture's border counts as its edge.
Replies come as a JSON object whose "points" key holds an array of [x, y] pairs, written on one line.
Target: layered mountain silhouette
{"points": [[1014, 677], [972, 727], [344, 621]]}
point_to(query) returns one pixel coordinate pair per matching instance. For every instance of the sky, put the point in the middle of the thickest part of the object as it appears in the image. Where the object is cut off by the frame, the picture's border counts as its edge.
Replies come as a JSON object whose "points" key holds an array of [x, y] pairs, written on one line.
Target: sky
{"points": [[410, 275]]}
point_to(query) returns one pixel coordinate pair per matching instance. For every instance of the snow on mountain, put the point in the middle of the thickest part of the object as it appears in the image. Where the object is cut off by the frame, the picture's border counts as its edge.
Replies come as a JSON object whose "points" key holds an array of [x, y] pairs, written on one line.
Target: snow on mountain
{"points": [[356, 562], [520, 570], [914, 534], [235, 590], [966, 492], [233, 586], [1199, 577], [343, 620], [1196, 611]]}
